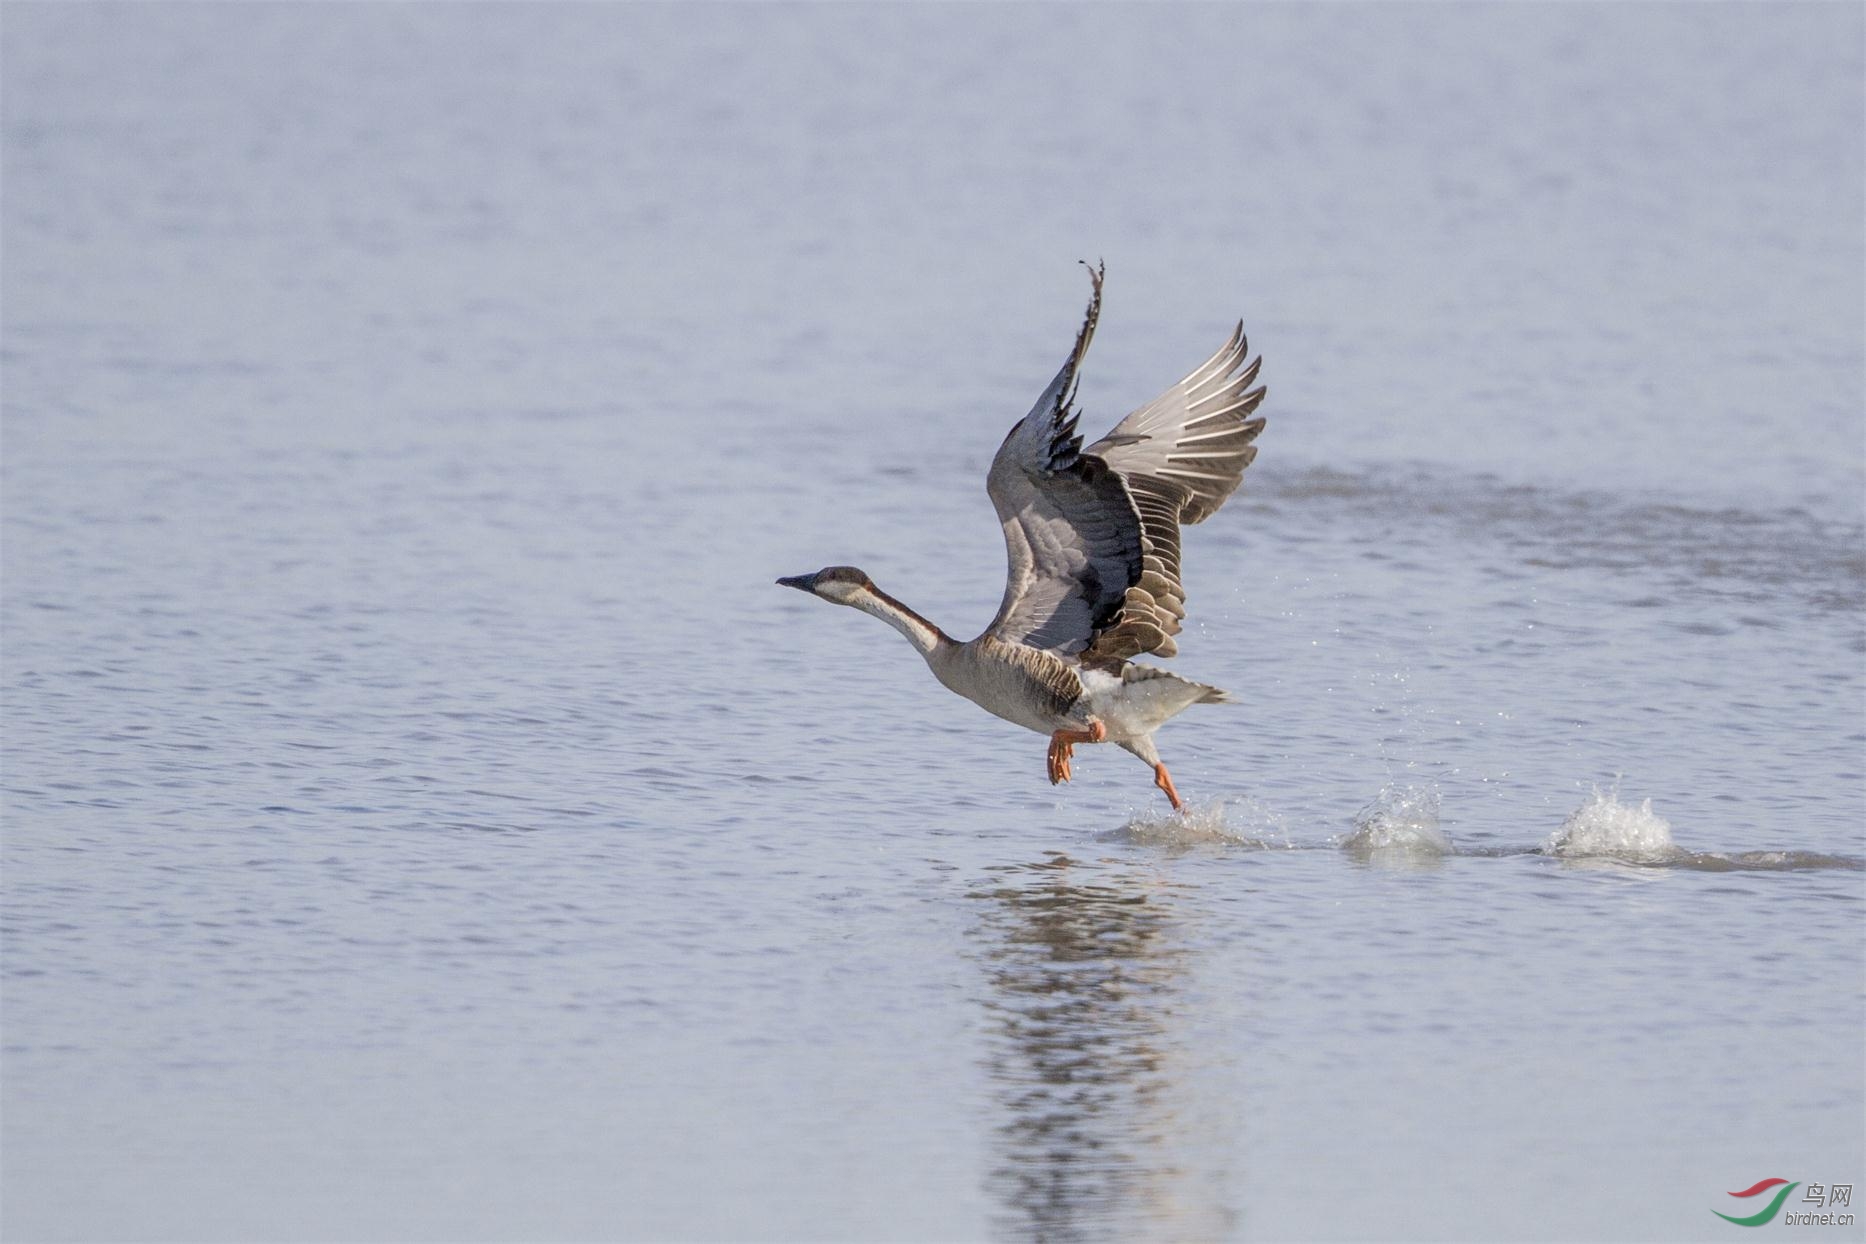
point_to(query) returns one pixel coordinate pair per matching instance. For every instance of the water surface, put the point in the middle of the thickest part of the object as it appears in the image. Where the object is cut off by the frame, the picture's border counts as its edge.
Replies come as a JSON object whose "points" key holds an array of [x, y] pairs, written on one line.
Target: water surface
{"points": [[424, 819]]}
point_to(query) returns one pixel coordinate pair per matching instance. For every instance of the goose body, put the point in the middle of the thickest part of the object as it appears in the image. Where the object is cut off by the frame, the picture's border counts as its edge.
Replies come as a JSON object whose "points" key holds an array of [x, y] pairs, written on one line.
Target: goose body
{"points": [[1092, 538]]}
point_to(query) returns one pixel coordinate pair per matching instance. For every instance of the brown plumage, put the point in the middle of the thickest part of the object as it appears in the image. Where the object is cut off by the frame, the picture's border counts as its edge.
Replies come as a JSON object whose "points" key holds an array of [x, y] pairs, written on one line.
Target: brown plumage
{"points": [[1093, 534]]}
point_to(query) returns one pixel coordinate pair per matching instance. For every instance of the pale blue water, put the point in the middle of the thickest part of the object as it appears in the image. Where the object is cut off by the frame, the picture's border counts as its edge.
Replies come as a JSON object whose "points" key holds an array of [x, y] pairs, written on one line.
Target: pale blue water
{"points": [[424, 819]]}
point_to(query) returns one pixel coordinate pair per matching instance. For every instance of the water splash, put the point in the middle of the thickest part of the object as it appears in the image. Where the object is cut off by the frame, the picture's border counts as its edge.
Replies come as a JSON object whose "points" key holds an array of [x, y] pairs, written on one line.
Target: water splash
{"points": [[1605, 827], [1401, 820], [1400, 829], [1239, 821]]}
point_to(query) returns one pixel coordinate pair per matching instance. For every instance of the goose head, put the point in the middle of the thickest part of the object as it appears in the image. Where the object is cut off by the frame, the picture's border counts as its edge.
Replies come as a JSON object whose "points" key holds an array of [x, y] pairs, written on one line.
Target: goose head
{"points": [[840, 585]]}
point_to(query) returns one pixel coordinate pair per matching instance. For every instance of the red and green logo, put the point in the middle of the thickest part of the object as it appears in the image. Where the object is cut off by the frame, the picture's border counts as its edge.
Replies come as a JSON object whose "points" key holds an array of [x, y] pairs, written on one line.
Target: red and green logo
{"points": [[1768, 1212]]}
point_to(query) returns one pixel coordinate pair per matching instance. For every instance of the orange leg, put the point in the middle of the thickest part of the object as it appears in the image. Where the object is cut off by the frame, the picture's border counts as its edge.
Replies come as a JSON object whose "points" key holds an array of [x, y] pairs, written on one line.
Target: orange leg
{"points": [[1164, 780], [1063, 746]]}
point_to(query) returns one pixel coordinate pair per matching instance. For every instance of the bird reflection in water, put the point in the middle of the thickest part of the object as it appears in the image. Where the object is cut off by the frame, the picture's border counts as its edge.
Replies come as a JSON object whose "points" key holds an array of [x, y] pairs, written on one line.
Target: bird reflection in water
{"points": [[1086, 965]]}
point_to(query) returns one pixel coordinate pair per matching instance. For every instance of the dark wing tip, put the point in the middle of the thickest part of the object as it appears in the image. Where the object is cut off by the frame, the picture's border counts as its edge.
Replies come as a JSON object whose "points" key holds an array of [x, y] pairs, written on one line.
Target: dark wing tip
{"points": [[1093, 316]]}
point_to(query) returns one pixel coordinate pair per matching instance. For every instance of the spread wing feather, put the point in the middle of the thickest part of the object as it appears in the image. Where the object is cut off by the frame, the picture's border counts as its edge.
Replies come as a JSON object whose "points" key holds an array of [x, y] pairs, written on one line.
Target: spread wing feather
{"points": [[1092, 536], [1181, 456], [1070, 530]]}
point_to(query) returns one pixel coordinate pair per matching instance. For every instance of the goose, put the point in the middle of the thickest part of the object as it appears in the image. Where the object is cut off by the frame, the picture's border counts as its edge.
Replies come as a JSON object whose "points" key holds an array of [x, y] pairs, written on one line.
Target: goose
{"points": [[1093, 541]]}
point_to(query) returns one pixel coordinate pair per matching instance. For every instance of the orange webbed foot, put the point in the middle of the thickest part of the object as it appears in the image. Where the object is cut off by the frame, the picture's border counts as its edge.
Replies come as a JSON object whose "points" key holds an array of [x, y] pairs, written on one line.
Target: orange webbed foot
{"points": [[1063, 747], [1164, 780]]}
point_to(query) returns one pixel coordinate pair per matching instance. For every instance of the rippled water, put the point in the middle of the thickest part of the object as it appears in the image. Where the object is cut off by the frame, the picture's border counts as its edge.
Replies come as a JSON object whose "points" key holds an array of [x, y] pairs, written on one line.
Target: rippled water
{"points": [[424, 819]]}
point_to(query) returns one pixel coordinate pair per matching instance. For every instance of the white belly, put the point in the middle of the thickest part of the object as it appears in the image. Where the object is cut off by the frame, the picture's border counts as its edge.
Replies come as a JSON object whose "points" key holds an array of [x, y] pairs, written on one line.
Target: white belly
{"points": [[1135, 708]]}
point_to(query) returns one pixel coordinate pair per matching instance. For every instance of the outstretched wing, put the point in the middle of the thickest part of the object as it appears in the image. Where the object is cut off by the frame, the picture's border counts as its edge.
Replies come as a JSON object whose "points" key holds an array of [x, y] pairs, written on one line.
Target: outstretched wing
{"points": [[1071, 532], [1180, 456], [1093, 535]]}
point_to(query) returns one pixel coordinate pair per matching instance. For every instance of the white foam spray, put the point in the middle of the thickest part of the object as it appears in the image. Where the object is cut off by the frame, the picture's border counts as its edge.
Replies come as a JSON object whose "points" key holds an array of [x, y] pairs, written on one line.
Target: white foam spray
{"points": [[1401, 820], [1239, 821], [1604, 827]]}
